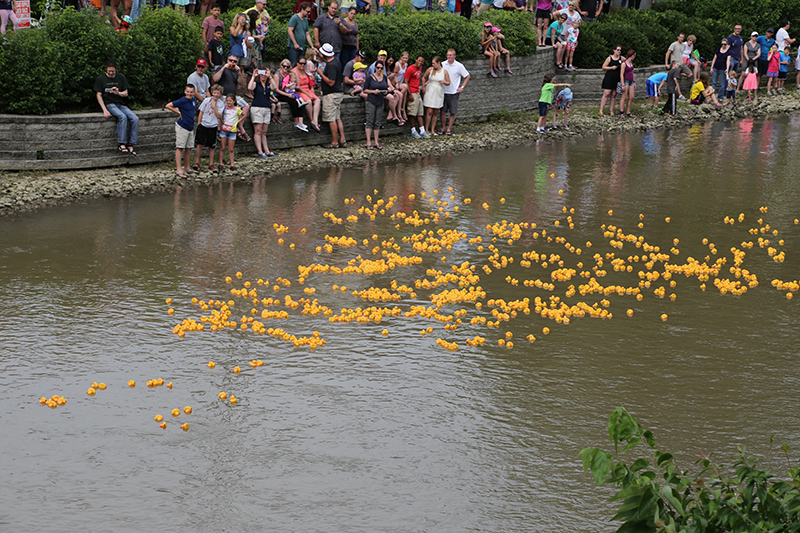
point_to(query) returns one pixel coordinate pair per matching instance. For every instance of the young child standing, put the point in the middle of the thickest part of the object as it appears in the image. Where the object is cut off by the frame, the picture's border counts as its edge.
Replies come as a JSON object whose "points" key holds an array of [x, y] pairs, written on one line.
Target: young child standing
{"points": [[774, 68], [673, 90], [784, 68], [184, 130], [215, 57], [230, 125], [730, 89], [655, 85], [208, 121], [546, 99], [572, 43], [751, 81], [563, 100]]}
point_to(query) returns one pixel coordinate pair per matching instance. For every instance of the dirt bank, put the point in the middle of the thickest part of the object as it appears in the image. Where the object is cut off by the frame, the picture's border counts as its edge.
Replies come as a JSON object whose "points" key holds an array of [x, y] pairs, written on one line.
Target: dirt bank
{"points": [[27, 191]]}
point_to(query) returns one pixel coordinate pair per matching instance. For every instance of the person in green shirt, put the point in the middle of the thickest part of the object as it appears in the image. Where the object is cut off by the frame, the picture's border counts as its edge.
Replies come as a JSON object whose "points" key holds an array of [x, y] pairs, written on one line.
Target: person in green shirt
{"points": [[298, 33], [546, 99]]}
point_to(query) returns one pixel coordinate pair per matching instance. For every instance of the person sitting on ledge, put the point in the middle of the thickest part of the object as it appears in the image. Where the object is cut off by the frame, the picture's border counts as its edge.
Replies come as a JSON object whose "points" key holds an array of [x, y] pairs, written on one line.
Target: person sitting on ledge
{"points": [[110, 89]]}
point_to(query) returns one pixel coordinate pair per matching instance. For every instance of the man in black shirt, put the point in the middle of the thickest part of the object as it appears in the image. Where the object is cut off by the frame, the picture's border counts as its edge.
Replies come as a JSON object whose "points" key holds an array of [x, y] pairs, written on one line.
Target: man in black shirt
{"points": [[228, 78], [110, 89], [590, 9], [332, 94]]}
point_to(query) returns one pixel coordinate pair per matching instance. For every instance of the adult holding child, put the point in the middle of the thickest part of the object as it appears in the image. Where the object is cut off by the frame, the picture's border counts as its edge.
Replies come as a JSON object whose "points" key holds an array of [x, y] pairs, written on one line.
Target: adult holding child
{"points": [[311, 101], [612, 67], [261, 83], [238, 39], [110, 89], [434, 81], [287, 98]]}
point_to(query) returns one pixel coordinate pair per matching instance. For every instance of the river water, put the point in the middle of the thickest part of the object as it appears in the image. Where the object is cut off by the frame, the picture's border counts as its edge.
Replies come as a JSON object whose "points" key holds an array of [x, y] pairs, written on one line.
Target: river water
{"points": [[375, 432]]}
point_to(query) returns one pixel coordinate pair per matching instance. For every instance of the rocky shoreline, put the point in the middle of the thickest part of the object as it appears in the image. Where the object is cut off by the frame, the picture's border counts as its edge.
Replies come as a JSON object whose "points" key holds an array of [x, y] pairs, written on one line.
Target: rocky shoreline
{"points": [[26, 191]]}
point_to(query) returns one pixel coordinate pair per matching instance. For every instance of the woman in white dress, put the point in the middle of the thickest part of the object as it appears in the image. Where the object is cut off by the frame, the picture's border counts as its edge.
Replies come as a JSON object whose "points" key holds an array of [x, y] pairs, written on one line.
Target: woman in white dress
{"points": [[433, 83]]}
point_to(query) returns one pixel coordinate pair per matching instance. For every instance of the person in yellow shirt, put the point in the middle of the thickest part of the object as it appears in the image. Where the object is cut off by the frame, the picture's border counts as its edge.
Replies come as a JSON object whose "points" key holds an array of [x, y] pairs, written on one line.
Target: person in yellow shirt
{"points": [[702, 92]]}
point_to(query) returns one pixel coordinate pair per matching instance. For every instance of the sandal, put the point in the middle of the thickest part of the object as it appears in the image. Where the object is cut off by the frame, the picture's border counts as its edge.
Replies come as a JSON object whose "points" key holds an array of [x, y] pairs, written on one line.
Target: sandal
{"points": [[330, 145], [378, 147], [440, 132], [233, 168], [192, 171], [122, 148], [131, 150], [342, 144], [181, 175], [448, 132], [244, 136], [368, 147]]}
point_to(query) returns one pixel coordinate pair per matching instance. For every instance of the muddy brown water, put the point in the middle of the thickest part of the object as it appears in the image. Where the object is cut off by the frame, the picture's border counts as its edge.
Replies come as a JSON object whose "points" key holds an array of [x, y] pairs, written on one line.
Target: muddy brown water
{"points": [[393, 433]]}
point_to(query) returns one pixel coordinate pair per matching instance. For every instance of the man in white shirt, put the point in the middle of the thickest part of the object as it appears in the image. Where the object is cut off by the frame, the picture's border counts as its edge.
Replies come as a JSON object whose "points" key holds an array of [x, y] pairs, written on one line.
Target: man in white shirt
{"points": [[782, 38], [459, 76], [200, 80]]}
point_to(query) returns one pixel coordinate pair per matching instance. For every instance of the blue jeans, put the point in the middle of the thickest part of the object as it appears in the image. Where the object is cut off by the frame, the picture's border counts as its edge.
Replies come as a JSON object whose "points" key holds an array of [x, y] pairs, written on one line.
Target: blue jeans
{"points": [[164, 3], [136, 8], [125, 117], [295, 54], [719, 83], [735, 65]]}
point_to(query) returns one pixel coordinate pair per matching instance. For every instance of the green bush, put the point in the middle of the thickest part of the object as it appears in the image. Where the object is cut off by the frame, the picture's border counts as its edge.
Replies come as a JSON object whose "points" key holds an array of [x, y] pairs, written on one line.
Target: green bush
{"points": [[31, 85], [177, 44], [90, 42], [611, 34], [520, 36], [420, 33]]}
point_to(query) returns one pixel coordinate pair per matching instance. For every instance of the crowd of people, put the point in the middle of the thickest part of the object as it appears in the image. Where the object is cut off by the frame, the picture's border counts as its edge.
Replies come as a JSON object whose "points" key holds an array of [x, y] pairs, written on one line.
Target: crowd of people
{"points": [[323, 64], [737, 65]]}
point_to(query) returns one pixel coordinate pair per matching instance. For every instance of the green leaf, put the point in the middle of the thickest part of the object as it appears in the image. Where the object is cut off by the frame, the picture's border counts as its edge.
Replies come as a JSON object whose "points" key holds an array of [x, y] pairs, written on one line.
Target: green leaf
{"points": [[672, 496]]}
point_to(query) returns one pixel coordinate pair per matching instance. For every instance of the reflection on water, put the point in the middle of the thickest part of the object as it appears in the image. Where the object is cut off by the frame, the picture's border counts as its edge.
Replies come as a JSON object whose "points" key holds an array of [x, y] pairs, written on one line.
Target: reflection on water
{"points": [[373, 433]]}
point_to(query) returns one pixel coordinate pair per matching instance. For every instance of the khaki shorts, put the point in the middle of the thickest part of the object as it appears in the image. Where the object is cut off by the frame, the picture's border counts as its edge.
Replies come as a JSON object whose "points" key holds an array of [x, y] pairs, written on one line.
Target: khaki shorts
{"points": [[331, 104], [183, 138], [260, 115], [415, 107]]}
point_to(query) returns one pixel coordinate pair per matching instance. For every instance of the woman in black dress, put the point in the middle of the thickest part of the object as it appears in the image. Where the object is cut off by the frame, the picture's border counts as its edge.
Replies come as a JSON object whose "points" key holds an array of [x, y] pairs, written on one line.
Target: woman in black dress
{"points": [[612, 66]]}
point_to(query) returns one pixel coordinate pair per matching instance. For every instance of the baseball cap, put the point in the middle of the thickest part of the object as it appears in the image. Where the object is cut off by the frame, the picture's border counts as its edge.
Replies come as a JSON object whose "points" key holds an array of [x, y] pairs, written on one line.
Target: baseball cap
{"points": [[327, 50], [567, 92], [358, 64], [487, 24], [754, 34], [361, 54], [383, 53], [770, 30], [202, 63]]}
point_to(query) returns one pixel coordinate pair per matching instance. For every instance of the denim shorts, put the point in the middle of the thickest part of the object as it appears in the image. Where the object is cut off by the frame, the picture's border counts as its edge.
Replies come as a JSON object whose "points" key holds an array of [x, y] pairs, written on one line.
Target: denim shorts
{"points": [[231, 135]]}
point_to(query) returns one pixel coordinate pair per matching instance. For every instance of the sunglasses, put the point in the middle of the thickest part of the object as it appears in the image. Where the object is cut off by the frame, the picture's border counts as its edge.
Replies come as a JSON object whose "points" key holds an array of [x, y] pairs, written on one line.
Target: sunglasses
{"points": [[378, 66], [301, 62]]}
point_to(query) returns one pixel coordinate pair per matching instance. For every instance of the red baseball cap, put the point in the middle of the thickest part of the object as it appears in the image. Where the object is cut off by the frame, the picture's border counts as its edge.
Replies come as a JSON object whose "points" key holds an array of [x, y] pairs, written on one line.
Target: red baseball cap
{"points": [[201, 63]]}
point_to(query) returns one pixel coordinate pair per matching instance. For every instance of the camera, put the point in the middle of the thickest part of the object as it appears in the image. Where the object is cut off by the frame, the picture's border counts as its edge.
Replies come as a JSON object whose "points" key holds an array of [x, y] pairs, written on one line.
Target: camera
{"points": [[262, 72]]}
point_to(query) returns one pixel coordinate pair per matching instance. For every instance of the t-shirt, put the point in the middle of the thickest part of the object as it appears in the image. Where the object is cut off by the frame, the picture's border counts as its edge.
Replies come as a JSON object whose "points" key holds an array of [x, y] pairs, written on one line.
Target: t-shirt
{"points": [[590, 6], [201, 83], [780, 37], [556, 27], [186, 107], [215, 47], [571, 19], [255, 9], [229, 79], [672, 78], [457, 73], [209, 119], [329, 32], [547, 93], [332, 70], [657, 78], [103, 84], [230, 118], [544, 4], [371, 83], [300, 26], [413, 75], [774, 63], [735, 42], [697, 88], [209, 23], [348, 69], [765, 45], [350, 39], [785, 58], [676, 52], [572, 35], [722, 59]]}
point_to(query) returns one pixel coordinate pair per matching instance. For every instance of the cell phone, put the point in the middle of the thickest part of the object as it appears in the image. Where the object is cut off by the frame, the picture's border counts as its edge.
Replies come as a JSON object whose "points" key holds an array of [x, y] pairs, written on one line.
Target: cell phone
{"points": [[262, 72], [110, 89]]}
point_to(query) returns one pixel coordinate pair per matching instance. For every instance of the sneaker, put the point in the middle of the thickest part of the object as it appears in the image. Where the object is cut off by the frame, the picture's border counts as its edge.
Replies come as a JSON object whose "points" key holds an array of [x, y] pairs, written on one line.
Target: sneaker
{"points": [[681, 98], [554, 127], [539, 130], [212, 168], [301, 103], [425, 135], [271, 154], [279, 119], [565, 127], [301, 127], [263, 156], [416, 135]]}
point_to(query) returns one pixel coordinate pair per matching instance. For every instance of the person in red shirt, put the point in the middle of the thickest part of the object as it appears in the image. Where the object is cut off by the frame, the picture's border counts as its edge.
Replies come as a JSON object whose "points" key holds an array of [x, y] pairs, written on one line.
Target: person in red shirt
{"points": [[415, 107]]}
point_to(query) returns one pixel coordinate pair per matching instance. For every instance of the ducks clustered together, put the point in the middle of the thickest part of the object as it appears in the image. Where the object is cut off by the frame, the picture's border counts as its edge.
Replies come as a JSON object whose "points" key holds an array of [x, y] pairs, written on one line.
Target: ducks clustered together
{"points": [[455, 294]]}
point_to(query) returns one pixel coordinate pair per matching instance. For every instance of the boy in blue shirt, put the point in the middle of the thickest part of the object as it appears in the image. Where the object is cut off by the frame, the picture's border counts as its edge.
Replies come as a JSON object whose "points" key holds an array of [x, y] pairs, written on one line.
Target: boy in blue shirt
{"points": [[784, 67], [184, 130], [654, 85]]}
